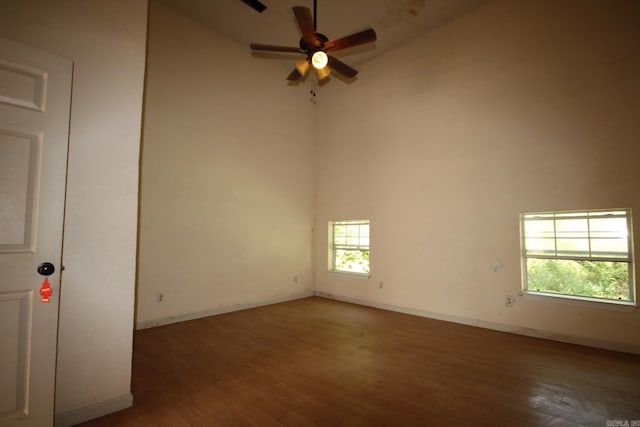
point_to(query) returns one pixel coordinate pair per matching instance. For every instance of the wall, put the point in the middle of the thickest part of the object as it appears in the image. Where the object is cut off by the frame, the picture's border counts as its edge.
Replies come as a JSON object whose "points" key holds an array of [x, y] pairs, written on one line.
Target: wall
{"points": [[106, 39], [227, 176], [442, 142]]}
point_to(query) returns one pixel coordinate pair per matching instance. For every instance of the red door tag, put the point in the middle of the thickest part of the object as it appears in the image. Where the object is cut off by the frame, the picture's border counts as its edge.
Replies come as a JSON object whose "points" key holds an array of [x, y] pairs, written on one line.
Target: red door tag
{"points": [[45, 291]]}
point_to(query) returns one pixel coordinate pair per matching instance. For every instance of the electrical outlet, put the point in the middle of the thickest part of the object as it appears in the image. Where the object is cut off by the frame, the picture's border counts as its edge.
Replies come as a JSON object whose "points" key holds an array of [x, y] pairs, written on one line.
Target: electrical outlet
{"points": [[159, 297], [509, 300], [380, 284], [295, 279]]}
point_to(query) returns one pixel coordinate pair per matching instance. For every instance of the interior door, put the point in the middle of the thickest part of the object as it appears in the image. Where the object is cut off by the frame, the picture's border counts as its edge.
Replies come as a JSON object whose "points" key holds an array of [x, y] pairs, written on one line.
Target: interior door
{"points": [[35, 94]]}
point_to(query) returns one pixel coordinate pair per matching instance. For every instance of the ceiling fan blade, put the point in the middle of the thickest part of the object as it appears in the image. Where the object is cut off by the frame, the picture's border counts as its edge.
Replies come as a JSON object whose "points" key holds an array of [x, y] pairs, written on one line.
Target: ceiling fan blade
{"points": [[294, 76], [273, 48], [342, 68], [366, 36], [305, 22]]}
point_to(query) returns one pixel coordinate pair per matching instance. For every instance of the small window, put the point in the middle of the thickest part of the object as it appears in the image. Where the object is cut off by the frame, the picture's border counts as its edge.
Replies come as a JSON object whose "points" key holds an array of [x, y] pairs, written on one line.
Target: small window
{"points": [[580, 254], [349, 246]]}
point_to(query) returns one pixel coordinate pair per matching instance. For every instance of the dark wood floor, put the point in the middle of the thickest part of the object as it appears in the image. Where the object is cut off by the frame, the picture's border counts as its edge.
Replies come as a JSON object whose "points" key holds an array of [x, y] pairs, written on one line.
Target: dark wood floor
{"points": [[317, 362]]}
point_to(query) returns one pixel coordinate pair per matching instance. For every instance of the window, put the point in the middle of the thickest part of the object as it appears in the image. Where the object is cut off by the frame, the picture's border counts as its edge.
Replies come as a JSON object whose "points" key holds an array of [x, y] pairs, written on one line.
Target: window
{"points": [[349, 246], [581, 254]]}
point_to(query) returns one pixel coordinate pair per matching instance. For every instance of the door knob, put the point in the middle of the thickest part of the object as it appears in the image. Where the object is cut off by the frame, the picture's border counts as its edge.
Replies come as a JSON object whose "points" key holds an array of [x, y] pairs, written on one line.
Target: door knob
{"points": [[46, 269]]}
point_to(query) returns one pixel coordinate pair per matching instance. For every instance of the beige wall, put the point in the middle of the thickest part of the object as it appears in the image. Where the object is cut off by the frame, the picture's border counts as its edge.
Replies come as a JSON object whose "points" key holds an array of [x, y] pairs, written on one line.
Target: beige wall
{"points": [[227, 176], [518, 106], [106, 40]]}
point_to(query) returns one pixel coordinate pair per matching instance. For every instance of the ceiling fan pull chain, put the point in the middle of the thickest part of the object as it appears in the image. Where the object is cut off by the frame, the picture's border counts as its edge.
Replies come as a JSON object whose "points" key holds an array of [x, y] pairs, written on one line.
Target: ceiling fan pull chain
{"points": [[313, 93]]}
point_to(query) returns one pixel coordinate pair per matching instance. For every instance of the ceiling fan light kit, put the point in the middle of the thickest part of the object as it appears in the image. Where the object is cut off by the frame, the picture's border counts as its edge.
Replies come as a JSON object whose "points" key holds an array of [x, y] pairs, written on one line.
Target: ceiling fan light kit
{"points": [[319, 60], [322, 73], [302, 66], [318, 48]]}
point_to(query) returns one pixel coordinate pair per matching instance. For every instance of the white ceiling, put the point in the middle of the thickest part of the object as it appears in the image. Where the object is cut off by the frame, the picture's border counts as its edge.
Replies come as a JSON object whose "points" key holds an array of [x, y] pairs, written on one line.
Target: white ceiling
{"points": [[395, 21]]}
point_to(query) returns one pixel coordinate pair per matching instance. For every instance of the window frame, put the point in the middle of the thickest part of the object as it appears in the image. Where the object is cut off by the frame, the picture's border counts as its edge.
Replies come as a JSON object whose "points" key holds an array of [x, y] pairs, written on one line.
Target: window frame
{"points": [[361, 248], [580, 214]]}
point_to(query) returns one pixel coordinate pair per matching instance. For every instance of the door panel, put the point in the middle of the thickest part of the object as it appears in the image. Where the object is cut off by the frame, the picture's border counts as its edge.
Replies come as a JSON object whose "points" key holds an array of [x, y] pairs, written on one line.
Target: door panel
{"points": [[19, 184], [22, 85], [35, 94], [15, 310]]}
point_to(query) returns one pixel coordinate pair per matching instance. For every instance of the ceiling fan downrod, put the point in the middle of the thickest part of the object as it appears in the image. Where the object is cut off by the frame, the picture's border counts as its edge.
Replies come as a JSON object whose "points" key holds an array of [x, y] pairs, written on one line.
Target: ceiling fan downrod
{"points": [[315, 15]]}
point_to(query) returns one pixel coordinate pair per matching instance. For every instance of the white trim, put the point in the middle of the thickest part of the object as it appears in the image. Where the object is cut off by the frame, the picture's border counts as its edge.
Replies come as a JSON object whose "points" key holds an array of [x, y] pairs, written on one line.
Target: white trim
{"points": [[580, 301], [536, 333], [350, 273], [218, 310], [95, 410]]}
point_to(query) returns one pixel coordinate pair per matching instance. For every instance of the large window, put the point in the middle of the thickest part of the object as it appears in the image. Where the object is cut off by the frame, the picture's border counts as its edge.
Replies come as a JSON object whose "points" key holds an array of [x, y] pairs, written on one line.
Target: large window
{"points": [[349, 246], [584, 254]]}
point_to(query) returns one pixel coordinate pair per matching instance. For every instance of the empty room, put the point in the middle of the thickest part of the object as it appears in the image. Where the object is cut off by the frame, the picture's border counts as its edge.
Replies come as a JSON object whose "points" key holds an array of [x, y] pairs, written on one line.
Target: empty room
{"points": [[434, 227]]}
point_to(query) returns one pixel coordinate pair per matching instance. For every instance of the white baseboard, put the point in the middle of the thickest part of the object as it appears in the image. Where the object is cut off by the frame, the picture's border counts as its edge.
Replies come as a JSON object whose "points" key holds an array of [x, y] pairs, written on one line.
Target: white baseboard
{"points": [[607, 345], [218, 310], [95, 410]]}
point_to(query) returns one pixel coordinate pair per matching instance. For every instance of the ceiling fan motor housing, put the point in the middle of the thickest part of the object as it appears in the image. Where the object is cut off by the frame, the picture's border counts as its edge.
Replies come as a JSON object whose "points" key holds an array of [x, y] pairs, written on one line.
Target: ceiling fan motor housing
{"points": [[320, 40]]}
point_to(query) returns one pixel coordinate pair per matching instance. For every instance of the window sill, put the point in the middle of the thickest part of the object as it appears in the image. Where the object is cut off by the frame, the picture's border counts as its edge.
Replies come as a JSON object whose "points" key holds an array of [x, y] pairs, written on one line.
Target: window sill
{"points": [[580, 301], [349, 273]]}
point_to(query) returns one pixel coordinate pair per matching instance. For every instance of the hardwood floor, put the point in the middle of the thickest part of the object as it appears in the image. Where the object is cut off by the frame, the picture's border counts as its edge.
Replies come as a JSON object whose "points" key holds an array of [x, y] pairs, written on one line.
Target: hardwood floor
{"points": [[317, 362]]}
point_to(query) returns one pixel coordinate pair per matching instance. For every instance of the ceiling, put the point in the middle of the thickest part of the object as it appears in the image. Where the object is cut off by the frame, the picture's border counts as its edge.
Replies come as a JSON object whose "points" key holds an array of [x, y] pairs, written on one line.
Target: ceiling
{"points": [[395, 21]]}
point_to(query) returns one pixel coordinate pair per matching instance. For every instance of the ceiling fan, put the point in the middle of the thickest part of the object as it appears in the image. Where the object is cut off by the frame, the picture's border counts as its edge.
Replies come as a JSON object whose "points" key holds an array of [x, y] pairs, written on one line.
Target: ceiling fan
{"points": [[317, 47]]}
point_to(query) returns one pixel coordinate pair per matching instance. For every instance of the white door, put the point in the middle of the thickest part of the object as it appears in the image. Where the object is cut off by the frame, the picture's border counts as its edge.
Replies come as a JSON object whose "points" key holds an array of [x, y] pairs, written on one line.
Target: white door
{"points": [[35, 93]]}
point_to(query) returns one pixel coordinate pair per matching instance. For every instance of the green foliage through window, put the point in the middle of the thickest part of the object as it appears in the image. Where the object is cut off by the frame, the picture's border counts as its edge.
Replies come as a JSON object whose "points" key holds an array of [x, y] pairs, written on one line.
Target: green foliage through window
{"points": [[352, 261], [609, 280]]}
